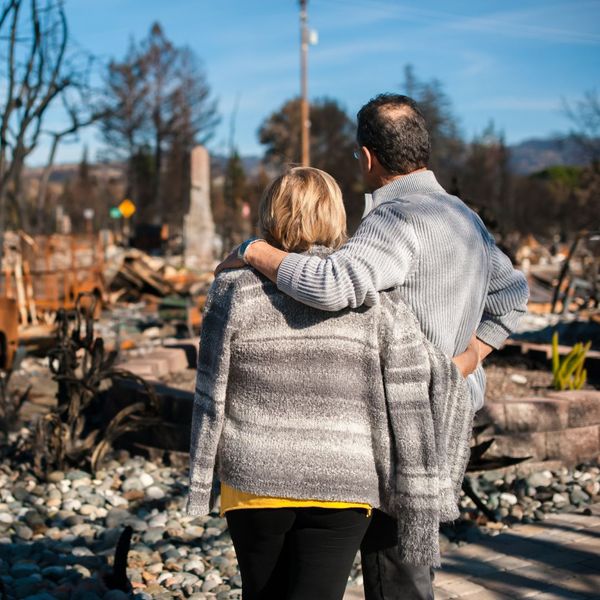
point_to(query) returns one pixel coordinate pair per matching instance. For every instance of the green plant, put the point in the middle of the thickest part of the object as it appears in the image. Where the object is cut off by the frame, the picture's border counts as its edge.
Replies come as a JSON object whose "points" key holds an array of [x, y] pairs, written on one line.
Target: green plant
{"points": [[569, 373]]}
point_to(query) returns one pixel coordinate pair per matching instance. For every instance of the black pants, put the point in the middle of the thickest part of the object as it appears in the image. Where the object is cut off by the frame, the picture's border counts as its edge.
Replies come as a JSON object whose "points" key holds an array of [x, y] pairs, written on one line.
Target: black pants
{"points": [[385, 576], [296, 553]]}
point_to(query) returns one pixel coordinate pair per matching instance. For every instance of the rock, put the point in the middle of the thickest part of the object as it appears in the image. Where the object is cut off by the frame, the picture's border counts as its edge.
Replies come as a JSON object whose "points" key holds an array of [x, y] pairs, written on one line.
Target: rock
{"points": [[146, 480], [72, 505], [153, 535], [74, 520], [55, 477], [194, 531], [194, 566], [6, 519], [136, 523], [132, 483], [508, 499], [518, 379], [559, 499], [578, 497], [82, 570], [88, 510], [540, 479], [76, 475], [54, 572], [116, 517], [159, 520], [517, 512], [23, 532], [189, 579], [211, 582], [24, 570], [155, 493], [20, 493], [220, 562], [82, 551]]}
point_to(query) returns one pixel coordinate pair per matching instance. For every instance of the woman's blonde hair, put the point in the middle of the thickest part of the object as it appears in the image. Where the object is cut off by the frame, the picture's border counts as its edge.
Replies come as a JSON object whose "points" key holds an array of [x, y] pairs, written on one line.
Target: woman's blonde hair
{"points": [[302, 208]]}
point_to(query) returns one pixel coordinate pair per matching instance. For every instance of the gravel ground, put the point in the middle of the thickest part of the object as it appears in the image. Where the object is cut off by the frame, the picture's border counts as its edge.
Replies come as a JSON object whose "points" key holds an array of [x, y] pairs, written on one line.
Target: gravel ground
{"points": [[58, 537]]}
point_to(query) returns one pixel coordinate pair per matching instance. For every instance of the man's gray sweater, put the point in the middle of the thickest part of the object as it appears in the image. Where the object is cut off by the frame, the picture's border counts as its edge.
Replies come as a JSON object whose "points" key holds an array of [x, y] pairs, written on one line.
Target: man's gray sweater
{"points": [[448, 267], [354, 406]]}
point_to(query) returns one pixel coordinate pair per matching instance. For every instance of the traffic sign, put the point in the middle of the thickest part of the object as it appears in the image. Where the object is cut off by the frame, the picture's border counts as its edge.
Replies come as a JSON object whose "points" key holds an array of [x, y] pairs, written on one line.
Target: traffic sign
{"points": [[127, 208]]}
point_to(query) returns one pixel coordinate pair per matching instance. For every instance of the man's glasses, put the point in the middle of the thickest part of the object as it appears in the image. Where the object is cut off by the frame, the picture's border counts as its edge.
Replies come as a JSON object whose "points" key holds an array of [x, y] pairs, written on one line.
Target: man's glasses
{"points": [[356, 155]]}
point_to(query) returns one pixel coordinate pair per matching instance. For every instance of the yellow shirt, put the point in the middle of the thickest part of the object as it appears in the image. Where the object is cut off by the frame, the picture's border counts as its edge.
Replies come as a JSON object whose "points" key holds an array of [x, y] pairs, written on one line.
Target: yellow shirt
{"points": [[232, 499]]}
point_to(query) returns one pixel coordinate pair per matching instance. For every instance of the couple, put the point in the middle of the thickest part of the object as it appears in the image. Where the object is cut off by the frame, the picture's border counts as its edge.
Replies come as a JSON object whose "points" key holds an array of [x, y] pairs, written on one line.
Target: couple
{"points": [[326, 398]]}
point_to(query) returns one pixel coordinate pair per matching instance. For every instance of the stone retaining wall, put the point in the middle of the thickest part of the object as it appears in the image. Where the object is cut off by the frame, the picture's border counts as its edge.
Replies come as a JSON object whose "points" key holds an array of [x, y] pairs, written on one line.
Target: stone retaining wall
{"points": [[562, 426]]}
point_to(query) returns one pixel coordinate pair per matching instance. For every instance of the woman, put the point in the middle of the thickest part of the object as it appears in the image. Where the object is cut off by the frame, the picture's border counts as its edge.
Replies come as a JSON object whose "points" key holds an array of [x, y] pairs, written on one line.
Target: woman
{"points": [[295, 407]]}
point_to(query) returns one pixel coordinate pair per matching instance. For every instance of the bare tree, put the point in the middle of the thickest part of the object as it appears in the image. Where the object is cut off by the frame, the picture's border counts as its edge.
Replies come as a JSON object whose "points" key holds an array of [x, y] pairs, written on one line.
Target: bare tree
{"points": [[80, 110], [447, 147], [124, 114], [36, 37], [160, 105]]}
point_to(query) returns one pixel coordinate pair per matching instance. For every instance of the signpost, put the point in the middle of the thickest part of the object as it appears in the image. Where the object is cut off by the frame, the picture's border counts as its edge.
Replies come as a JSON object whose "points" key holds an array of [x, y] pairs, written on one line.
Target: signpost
{"points": [[127, 209]]}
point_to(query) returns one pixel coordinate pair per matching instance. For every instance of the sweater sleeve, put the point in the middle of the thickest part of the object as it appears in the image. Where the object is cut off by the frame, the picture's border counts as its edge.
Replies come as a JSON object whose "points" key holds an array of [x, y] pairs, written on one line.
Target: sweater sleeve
{"points": [[379, 256], [506, 301], [210, 393]]}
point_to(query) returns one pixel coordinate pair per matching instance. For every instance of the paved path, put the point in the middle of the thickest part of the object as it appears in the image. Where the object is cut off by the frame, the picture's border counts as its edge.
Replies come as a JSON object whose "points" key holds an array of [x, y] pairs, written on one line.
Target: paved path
{"points": [[557, 559]]}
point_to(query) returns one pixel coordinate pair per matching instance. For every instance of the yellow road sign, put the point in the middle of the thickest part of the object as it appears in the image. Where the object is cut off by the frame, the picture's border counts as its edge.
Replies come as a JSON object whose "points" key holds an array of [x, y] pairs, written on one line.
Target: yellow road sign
{"points": [[127, 208]]}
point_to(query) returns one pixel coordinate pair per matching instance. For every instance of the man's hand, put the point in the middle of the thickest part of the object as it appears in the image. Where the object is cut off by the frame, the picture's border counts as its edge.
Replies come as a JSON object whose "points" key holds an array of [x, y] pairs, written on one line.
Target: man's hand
{"points": [[231, 262], [469, 360]]}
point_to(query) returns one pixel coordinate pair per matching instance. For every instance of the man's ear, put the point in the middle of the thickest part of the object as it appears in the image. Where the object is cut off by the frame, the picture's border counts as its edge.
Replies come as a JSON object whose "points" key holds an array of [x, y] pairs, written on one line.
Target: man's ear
{"points": [[367, 157]]}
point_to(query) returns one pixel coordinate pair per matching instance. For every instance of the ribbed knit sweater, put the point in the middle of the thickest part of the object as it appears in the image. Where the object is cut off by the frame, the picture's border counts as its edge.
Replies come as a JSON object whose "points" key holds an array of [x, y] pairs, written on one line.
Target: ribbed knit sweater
{"points": [[448, 267], [353, 406]]}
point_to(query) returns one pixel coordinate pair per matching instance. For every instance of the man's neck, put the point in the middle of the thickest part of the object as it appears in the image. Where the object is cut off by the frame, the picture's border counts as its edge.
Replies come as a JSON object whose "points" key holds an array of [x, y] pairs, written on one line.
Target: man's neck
{"points": [[387, 178]]}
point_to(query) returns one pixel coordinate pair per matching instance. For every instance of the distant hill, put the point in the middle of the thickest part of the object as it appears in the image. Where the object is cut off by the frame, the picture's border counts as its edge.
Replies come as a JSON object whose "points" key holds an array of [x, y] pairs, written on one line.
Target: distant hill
{"points": [[535, 155], [251, 164]]}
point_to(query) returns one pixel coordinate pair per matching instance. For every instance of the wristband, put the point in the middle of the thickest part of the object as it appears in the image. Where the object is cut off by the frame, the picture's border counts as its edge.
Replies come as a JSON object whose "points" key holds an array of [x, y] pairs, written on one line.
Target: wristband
{"points": [[243, 247]]}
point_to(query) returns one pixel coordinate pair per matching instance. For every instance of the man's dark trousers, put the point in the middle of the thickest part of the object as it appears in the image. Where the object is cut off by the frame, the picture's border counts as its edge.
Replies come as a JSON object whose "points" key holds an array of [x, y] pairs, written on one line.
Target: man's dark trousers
{"points": [[385, 576]]}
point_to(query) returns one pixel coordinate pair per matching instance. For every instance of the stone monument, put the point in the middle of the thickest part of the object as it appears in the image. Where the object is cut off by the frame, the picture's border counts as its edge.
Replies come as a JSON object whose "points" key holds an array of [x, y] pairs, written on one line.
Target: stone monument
{"points": [[198, 224]]}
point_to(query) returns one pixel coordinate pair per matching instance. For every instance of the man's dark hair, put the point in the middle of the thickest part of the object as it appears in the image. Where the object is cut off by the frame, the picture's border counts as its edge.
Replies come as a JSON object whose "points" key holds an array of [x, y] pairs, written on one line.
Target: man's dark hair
{"points": [[393, 127]]}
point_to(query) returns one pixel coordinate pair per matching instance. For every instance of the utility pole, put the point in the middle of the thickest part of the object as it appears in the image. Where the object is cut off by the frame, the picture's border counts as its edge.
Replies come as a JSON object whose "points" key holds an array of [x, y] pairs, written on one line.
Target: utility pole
{"points": [[304, 111]]}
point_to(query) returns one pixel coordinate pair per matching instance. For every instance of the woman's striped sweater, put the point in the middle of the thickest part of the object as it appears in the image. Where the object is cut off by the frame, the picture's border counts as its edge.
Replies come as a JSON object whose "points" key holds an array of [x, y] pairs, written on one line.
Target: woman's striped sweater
{"points": [[356, 405]]}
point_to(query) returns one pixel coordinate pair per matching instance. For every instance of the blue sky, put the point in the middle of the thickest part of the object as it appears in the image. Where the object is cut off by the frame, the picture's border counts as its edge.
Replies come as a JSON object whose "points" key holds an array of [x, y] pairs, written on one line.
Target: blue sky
{"points": [[512, 61]]}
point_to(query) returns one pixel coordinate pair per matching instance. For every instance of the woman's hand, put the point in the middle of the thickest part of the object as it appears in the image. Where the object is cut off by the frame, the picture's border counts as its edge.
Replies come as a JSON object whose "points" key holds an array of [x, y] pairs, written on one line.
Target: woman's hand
{"points": [[233, 261], [469, 360]]}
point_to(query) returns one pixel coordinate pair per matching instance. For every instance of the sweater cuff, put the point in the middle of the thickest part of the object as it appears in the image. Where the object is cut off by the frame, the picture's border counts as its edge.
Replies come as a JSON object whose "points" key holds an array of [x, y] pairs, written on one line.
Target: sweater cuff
{"points": [[198, 504], [492, 334], [289, 273]]}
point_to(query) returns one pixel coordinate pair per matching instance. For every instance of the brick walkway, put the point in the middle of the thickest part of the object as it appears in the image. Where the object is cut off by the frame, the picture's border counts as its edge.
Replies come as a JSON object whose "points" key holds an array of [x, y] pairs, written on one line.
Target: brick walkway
{"points": [[558, 559]]}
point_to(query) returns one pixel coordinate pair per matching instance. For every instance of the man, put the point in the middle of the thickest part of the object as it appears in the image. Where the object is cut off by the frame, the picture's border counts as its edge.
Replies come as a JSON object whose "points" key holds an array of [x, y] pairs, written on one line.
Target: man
{"points": [[430, 243]]}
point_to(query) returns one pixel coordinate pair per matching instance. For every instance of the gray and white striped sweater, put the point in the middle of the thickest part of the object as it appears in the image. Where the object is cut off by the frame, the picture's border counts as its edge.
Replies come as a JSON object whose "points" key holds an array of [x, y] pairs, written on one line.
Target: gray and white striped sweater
{"points": [[448, 267], [295, 402]]}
